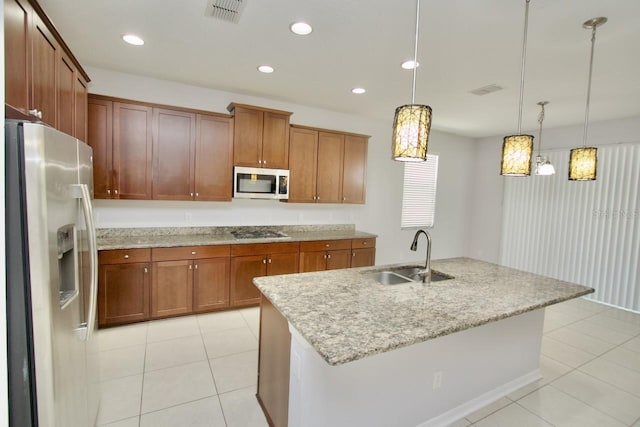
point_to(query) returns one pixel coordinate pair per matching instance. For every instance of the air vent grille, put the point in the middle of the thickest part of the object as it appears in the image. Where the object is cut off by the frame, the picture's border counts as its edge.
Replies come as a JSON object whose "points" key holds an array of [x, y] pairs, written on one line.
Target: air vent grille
{"points": [[227, 10], [486, 89]]}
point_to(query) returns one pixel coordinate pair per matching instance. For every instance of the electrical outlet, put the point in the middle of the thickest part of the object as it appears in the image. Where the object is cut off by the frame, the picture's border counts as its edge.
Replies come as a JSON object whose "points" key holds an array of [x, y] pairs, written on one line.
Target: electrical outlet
{"points": [[437, 380]]}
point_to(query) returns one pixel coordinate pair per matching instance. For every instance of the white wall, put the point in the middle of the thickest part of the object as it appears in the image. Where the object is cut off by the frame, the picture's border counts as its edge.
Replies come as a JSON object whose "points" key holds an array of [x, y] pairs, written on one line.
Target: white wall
{"points": [[486, 221], [380, 214]]}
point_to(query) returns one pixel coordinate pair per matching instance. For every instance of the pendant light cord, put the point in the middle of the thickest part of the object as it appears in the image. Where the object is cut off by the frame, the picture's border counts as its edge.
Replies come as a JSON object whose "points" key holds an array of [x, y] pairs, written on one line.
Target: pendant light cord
{"points": [[415, 54], [586, 113], [540, 120], [524, 57]]}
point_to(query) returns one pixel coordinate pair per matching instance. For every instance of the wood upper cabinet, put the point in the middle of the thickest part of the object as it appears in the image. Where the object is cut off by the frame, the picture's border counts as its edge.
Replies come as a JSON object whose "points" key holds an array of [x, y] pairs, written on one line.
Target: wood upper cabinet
{"points": [[330, 167], [174, 144], [81, 108], [66, 96], [327, 166], [44, 71], [123, 286], [132, 148], [261, 137], [354, 169], [255, 260], [17, 71], [100, 138], [303, 163], [214, 158]]}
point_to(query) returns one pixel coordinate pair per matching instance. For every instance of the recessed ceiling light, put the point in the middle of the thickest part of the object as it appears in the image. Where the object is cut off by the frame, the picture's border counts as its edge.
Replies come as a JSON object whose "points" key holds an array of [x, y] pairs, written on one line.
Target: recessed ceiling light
{"points": [[266, 69], [358, 90], [301, 28], [133, 39], [408, 65]]}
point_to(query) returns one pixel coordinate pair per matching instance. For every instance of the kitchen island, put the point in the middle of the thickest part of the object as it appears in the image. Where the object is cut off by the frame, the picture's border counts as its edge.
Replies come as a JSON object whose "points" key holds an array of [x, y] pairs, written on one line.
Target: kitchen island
{"points": [[339, 348]]}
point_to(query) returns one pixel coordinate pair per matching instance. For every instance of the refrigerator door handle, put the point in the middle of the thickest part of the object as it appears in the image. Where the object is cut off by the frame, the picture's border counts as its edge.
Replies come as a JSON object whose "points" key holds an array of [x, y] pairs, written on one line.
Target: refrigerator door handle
{"points": [[81, 191]]}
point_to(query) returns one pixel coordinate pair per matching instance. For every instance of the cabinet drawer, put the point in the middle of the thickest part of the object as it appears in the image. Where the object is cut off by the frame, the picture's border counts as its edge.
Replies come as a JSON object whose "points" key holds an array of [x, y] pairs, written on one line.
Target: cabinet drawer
{"points": [[363, 243], [264, 248], [325, 245], [189, 252], [124, 256]]}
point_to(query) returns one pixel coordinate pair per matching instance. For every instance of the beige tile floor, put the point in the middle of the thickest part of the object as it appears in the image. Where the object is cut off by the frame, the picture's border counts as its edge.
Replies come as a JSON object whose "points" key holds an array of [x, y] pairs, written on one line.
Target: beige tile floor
{"points": [[201, 371]]}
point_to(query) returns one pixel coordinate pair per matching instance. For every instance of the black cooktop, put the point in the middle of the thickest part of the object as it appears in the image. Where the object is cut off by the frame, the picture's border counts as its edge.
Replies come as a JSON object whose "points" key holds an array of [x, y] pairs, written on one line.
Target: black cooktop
{"points": [[258, 234]]}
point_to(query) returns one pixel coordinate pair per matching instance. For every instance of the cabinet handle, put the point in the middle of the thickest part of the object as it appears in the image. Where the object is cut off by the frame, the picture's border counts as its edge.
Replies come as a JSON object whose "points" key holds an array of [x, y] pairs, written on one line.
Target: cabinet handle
{"points": [[259, 162], [146, 270], [325, 256], [327, 245], [191, 194], [344, 198], [354, 254], [197, 195], [36, 113], [190, 266], [109, 192], [364, 243], [317, 197], [264, 162], [328, 256], [126, 257], [269, 260], [196, 266], [193, 252], [115, 192]]}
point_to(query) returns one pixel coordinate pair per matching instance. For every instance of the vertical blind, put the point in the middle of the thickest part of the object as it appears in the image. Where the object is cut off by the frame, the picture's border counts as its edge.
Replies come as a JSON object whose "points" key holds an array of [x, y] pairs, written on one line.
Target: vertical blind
{"points": [[419, 193], [583, 232]]}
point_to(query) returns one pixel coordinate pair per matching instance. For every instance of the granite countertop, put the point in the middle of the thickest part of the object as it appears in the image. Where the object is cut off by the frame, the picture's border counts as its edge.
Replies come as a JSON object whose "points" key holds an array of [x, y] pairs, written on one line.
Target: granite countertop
{"points": [[346, 315], [160, 237]]}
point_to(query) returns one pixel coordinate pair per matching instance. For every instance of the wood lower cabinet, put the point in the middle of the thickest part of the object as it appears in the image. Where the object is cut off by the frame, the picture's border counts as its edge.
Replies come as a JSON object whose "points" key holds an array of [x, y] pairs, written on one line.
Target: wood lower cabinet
{"points": [[123, 286], [325, 255], [255, 260], [327, 166], [261, 137], [363, 257], [189, 279]]}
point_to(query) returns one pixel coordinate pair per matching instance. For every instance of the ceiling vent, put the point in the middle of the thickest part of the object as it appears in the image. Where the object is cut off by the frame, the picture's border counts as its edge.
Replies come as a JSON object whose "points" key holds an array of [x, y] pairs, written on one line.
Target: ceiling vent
{"points": [[227, 10], [486, 89]]}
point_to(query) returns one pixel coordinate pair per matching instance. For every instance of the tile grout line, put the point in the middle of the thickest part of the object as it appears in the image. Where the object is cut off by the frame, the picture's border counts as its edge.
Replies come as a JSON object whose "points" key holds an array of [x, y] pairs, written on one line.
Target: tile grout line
{"points": [[206, 353]]}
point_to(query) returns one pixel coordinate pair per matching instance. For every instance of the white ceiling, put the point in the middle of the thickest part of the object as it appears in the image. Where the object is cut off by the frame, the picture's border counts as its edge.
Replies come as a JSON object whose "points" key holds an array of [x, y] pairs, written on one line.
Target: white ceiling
{"points": [[464, 44]]}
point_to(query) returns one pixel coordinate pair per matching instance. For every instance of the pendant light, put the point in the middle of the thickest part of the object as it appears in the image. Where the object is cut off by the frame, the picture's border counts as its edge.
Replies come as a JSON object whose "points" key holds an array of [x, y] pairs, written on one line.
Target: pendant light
{"points": [[583, 162], [412, 122], [543, 165], [517, 149]]}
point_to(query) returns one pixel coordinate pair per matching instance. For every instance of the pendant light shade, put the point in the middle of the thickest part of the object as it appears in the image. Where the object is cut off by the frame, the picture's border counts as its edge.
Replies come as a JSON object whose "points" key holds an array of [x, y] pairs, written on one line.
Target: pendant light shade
{"points": [[412, 122], [516, 155], [583, 162], [517, 149], [411, 125]]}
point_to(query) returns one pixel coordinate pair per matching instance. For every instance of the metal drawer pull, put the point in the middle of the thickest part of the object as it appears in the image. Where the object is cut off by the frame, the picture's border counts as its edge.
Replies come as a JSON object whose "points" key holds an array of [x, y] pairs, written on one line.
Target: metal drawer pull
{"points": [[146, 270], [264, 260], [364, 243], [193, 252], [126, 257], [327, 245], [196, 266], [190, 266], [328, 256]]}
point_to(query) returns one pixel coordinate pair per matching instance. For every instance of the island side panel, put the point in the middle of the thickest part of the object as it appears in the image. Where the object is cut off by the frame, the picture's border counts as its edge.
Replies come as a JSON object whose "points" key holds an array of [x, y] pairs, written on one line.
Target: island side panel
{"points": [[273, 364]]}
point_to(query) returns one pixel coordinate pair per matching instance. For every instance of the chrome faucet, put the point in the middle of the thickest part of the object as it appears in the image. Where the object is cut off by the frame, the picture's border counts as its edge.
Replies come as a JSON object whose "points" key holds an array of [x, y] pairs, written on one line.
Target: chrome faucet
{"points": [[426, 276]]}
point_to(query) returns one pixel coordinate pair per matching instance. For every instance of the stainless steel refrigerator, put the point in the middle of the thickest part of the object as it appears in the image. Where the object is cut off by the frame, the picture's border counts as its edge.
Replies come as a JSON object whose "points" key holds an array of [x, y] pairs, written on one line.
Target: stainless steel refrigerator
{"points": [[51, 278]]}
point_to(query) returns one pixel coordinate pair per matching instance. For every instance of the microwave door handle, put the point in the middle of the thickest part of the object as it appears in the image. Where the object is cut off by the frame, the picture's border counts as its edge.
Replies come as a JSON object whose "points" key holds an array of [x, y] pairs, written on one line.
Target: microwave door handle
{"points": [[81, 191]]}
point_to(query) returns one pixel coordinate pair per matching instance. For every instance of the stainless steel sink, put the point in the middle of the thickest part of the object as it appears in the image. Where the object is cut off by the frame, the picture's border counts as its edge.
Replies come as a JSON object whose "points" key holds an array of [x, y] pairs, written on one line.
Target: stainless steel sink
{"points": [[400, 275]]}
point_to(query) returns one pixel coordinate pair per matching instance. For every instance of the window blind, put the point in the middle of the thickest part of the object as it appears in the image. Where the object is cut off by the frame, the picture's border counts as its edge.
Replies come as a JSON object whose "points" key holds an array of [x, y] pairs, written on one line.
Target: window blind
{"points": [[419, 193]]}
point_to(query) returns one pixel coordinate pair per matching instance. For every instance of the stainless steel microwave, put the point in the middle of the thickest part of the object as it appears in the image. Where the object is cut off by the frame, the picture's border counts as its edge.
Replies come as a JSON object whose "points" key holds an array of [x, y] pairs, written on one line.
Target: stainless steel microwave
{"points": [[260, 183]]}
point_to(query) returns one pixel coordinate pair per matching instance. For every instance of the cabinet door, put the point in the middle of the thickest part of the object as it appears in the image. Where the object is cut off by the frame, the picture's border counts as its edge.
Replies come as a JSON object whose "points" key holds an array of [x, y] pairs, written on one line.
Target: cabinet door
{"points": [[43, 77], [363, 257], [210, 284], [131, 151], [66, 96], [100, 138], [243, 270], [330, 159], [338, 259], [214, 158], [174, 143], [171, 288], [247, 137], [123, 293], [17, 78], [303, 163], [81, 94], [282, 263], [354, 169], [313, 261], [275, 141]]}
